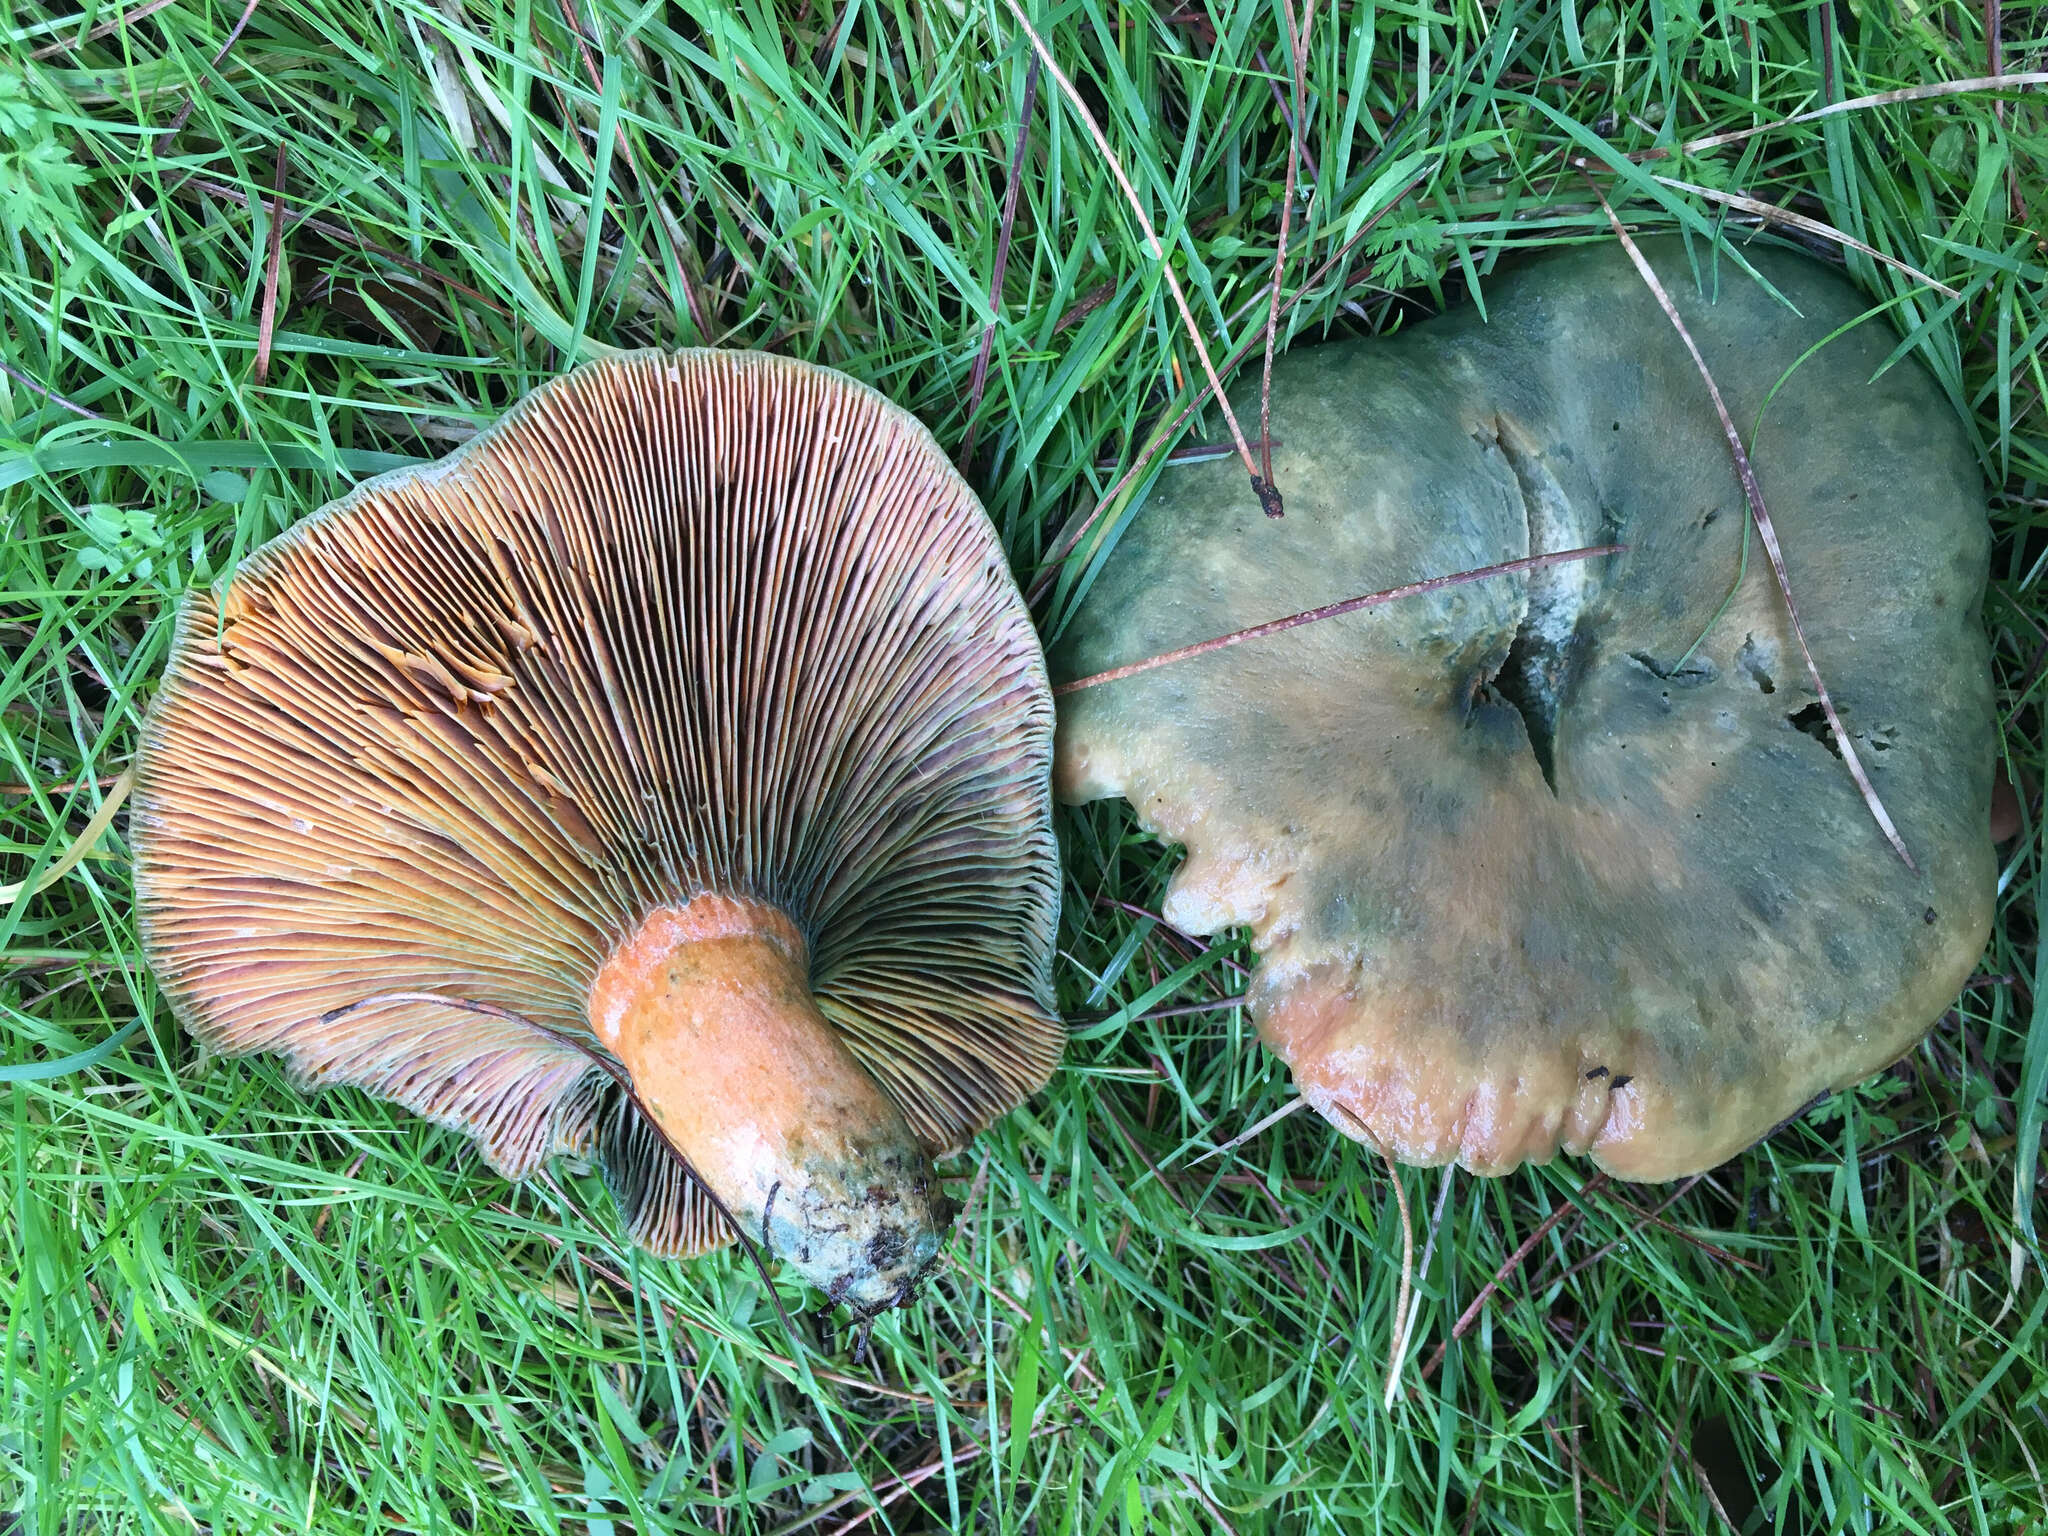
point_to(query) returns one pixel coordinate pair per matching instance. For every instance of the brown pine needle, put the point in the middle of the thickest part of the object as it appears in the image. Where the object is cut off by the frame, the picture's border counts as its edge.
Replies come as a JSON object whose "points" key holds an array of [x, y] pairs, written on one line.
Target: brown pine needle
{"points": [[1286, 114], [350, 237], [1655, 1218], [122, 19], [267, 323], [1244, 1136], [192, 100], [45, 391], [1337, 610], [995, 282], [1297, 46], [1765, 532], [1191, 453], [104, 782], [1152, 242]]}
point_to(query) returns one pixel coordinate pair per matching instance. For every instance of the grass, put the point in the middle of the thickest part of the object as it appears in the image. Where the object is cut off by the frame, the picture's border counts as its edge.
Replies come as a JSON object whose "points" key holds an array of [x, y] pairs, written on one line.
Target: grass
{"points": [[228, 1307]]}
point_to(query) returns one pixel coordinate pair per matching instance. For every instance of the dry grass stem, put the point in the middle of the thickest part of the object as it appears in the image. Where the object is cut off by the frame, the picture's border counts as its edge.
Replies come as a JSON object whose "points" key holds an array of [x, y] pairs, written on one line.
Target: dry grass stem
{"points": [[1397, 1346], [1771, 213], [979, 381], [266, 324], [1766, 533], [1297, 46], [1152, 241], [80, 845], [1925, 92]]}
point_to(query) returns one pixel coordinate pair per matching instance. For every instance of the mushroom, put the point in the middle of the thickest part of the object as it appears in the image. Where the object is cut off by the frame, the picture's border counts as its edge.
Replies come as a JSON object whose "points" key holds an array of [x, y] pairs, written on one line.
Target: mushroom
{"points": [[668, 768], [1567, 860]]}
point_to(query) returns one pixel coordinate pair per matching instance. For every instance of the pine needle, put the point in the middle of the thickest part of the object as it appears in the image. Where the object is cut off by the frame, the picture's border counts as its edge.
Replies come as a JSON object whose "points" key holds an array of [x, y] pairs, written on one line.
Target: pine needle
{"points": [[1336, 610]]}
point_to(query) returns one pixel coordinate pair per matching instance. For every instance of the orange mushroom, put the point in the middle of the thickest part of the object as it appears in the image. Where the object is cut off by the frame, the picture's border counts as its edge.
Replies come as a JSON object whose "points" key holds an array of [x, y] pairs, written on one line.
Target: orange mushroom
{"points": [[668, 769]]}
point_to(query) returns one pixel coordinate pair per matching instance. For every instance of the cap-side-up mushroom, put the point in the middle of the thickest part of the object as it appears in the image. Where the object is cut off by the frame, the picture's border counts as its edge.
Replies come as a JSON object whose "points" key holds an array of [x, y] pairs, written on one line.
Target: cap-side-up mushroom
{"points": [[1567, 859], [684, 731]]}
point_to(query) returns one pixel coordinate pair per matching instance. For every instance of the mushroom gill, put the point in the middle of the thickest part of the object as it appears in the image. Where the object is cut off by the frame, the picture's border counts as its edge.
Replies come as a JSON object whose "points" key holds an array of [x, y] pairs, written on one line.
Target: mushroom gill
{"points": [[684, 731]]}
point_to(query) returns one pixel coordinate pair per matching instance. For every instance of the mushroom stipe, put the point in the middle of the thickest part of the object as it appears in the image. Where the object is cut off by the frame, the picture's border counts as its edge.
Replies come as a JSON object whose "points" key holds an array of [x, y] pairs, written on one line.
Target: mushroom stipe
{"points": [[686, 731], [619, 1076]]}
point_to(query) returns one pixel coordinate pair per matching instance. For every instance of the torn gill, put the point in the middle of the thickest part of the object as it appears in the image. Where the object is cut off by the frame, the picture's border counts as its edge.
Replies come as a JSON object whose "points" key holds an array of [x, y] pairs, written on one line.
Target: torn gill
{"points": [[1537, 672]]}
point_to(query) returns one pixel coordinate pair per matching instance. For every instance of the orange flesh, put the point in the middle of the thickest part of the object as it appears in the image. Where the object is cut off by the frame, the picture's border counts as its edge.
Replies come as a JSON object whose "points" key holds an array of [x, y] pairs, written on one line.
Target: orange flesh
{"points": [[709, 1008]]}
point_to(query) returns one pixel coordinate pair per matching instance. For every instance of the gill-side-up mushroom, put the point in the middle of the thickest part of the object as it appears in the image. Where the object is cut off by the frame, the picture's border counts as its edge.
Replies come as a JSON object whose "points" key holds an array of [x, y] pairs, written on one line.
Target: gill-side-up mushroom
{"points": [[667, 768]]}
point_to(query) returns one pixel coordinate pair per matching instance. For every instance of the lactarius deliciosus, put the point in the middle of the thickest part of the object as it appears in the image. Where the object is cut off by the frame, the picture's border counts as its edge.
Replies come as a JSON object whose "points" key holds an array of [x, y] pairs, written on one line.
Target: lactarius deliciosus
{"points": [[1569, 860], [665, 772]]}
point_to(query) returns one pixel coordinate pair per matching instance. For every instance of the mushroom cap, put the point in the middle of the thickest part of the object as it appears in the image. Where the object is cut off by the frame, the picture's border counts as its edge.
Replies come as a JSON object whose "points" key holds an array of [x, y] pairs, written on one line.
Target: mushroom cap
{"points": [[704, 622], [1564, 860]]}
